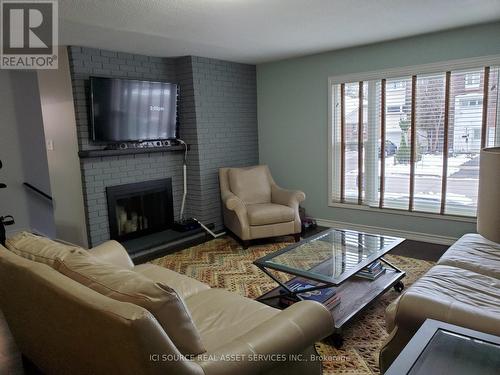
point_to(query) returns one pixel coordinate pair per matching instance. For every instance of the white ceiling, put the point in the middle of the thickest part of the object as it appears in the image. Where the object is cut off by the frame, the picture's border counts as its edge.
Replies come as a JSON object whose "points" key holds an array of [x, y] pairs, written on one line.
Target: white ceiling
{"points": [[254, 31]]}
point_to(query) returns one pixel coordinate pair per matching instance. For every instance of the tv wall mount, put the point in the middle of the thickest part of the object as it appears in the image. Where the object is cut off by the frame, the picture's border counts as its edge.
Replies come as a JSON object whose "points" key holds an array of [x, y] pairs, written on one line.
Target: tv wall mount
{"points": [[142, 144]]}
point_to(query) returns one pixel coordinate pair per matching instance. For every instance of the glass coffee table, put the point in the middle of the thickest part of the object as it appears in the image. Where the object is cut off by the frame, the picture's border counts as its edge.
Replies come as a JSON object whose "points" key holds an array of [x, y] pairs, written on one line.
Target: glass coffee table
{"points": [[330, 263]]}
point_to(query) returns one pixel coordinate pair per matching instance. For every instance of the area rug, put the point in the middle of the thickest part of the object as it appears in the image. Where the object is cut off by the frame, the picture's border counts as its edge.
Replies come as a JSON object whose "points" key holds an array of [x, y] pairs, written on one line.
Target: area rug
{"points": [[223, 263]]}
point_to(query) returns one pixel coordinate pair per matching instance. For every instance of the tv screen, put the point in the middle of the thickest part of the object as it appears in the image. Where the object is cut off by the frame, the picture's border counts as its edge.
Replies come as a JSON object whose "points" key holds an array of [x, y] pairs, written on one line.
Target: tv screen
{"points": [[129, 110]]}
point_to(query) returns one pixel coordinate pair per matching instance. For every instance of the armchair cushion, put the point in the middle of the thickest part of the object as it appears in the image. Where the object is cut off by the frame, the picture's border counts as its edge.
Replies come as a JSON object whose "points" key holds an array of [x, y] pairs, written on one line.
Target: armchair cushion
{"points": [[269, 213], [128, 286], [251, 185]]}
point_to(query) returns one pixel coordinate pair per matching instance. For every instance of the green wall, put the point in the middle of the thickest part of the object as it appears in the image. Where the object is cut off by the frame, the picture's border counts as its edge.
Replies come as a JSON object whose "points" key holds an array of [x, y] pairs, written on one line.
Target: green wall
{"points": [[292, 98]]}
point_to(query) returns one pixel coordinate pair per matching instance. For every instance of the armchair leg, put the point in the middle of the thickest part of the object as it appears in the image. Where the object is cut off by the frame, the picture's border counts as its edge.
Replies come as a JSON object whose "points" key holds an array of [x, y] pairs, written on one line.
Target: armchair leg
{"points": [[296, 237], [245, 244]]}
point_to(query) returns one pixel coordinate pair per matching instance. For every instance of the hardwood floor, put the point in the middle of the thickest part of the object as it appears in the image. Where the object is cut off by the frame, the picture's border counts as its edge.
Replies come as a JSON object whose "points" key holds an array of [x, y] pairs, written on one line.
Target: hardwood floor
{"points": [[420, 250], [11, 362]]}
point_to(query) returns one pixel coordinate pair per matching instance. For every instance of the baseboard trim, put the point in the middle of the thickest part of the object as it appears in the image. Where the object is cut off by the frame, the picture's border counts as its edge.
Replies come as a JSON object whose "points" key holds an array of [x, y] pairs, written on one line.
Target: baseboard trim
{"points": [[410, 235]]}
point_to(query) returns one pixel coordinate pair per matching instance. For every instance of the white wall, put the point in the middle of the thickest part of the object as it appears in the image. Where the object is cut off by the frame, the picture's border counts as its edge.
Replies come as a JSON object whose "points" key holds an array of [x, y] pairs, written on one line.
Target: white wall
{"points": [[13, 200], [56, 97], [23, 153], [33, 153]]}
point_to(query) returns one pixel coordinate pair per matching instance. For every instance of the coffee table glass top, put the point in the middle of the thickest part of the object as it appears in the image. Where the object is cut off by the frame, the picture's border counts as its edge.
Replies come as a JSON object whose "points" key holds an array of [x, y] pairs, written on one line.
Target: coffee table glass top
{"points": [[331, 256]]}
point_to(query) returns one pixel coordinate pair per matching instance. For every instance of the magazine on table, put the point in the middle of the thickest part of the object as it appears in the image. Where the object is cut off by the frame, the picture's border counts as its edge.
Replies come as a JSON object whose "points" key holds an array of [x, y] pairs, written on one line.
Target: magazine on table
{"points": [[319, 295]]}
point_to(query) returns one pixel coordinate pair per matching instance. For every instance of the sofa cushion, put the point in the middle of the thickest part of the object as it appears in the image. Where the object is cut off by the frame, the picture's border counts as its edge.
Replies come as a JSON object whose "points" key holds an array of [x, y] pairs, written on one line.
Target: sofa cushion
{"points": [[128, 286], [251, 185], [475, 253], [40, 249], [222, 316], [183, 285], [452, 295], [269, 213]]}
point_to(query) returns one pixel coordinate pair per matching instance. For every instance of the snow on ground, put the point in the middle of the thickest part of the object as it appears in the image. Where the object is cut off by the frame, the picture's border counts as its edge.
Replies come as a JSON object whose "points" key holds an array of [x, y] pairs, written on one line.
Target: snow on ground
{"points": [[430, 197], [430, 165]]}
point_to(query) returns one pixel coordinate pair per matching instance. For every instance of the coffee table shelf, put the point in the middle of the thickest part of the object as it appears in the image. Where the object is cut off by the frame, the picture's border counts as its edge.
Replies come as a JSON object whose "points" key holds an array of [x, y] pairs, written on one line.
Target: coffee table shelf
{"points": [[356, 293]]}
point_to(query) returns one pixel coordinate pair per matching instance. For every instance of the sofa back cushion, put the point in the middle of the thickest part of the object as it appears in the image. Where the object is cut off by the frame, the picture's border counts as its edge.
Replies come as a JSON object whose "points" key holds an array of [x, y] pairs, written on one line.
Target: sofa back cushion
{"points": [[128, 286], [40, 249], [251, 184]]}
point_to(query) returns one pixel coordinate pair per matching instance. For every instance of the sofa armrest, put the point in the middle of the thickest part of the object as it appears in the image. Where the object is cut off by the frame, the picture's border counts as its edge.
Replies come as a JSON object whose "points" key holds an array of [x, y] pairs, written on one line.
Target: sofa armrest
{"points": [[290, 198], [289, 332], [113, 252], [390, 315]]}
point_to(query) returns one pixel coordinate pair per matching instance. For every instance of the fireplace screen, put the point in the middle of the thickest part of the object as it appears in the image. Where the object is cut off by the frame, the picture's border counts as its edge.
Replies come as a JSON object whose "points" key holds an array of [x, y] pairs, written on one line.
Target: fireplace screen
{"points": [[138, 209]]}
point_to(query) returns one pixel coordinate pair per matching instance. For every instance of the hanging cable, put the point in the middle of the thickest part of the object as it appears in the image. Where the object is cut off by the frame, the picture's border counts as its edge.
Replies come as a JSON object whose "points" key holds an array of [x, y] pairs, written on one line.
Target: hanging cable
{"points": [[184, 195]]}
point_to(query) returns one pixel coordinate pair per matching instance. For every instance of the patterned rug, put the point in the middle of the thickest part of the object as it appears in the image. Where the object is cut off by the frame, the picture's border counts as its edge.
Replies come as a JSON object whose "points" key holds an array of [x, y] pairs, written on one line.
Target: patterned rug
{"points": [[223, 263]]}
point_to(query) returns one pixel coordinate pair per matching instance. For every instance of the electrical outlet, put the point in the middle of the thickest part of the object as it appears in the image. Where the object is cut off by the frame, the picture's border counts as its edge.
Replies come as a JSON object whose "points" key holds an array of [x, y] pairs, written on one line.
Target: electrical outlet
{"points": [[50, 145]]}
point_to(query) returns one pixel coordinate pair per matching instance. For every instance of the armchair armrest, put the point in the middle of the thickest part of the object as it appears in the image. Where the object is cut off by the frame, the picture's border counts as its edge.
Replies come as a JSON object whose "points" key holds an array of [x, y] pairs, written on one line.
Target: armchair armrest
{"points": [[290, 198], [112, 252], [233, 203], [235, 214], [291, 331]]}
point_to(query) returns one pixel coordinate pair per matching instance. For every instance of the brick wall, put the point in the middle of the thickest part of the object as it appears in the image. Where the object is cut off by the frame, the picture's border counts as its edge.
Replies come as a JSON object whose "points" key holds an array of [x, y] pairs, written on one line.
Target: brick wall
{"points": [[218, 118], [226, 118], [187, 117]]}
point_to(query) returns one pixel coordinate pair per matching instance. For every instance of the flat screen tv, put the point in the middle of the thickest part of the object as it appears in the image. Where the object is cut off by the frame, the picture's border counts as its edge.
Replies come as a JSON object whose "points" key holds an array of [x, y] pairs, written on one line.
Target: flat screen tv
{"points": [[128, 110]]}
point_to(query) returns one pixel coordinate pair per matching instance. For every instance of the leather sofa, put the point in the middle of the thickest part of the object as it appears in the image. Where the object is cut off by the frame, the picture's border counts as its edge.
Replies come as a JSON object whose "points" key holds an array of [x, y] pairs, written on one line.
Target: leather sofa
{"points": [[462, 289], [64, 327], [254, 206]]}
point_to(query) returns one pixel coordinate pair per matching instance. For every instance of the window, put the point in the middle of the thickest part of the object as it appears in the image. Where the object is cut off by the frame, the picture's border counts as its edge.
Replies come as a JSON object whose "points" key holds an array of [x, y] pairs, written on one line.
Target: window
{"points": [[395, 109], [412, 142], [472, 80], [397, 84], [471, 102]]}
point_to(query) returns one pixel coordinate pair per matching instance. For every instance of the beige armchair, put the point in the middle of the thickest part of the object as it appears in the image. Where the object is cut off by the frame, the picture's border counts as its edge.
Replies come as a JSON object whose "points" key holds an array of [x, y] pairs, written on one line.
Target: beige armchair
{"points": [[255, 207]]}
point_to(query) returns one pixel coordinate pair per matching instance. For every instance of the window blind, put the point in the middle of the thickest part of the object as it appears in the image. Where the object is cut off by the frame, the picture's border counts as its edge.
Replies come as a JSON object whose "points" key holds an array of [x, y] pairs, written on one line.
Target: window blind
{"points": [[413, 142]]}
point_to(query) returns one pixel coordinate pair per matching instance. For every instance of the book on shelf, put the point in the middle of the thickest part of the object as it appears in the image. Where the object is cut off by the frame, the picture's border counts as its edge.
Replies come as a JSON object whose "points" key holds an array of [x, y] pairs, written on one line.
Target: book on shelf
{"points": [[374, 266], [371, 271], [323, 295]]}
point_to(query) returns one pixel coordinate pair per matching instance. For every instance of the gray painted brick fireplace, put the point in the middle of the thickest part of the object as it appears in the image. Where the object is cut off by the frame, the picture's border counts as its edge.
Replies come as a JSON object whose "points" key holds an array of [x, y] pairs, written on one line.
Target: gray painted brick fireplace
{"points": [[218, 119]]}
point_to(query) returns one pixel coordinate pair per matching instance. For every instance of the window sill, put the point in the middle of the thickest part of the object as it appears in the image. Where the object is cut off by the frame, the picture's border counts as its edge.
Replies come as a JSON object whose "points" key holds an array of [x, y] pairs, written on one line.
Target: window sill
{"points": [[390, 211]]}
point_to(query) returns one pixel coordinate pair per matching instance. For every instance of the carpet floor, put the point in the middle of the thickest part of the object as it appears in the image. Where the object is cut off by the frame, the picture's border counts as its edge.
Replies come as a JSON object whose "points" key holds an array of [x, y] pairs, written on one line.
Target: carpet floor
{"points": [[223, 263]]}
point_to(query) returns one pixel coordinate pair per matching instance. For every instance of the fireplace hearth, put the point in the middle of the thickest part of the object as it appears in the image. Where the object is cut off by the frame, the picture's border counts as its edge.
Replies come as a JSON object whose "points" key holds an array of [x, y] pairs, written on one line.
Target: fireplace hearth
{"points": [[139, 209]]}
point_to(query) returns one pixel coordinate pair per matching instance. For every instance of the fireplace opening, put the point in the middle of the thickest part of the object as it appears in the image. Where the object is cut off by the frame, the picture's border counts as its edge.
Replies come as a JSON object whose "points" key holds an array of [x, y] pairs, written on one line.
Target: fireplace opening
{"points": [[139, 209]]}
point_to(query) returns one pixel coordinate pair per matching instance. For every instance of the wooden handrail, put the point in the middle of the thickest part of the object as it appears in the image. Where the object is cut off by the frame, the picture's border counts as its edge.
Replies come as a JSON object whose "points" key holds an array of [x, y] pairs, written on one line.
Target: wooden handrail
{"points": [[36, 190]]}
